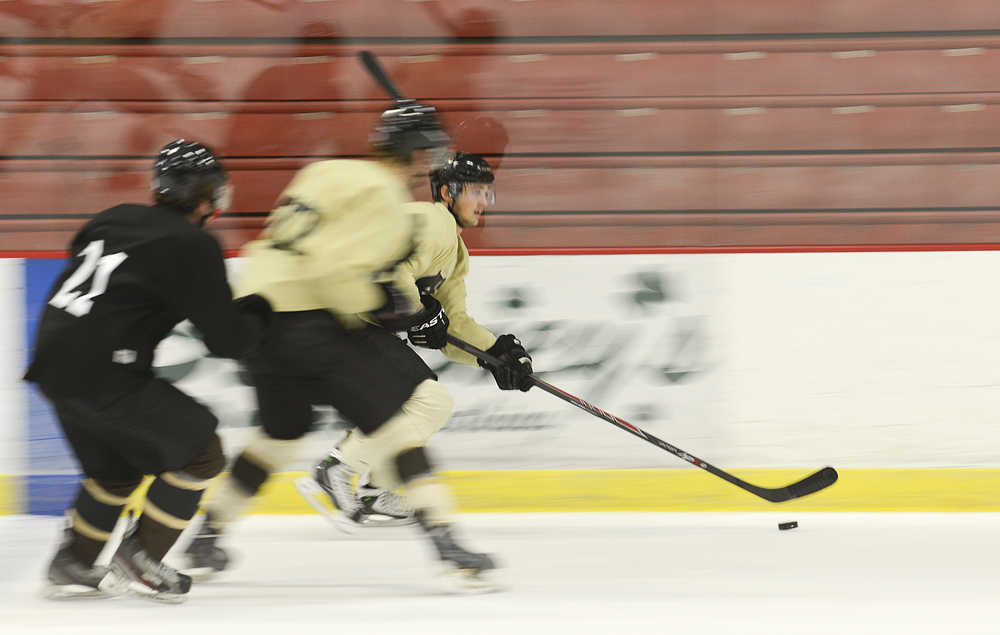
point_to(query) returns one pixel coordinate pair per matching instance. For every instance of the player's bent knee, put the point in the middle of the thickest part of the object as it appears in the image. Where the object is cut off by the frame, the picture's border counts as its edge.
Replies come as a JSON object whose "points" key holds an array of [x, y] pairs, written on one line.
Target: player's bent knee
{"points": [[263, 456], [431, 405], [273, 454], [412, 464], [209, 463], [423, 414]]}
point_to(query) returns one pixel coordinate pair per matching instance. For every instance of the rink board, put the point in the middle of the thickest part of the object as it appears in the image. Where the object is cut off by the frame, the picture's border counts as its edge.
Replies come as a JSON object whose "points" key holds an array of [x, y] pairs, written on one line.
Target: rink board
{"points": [[881, 490], [677, 490], [880, 364]]}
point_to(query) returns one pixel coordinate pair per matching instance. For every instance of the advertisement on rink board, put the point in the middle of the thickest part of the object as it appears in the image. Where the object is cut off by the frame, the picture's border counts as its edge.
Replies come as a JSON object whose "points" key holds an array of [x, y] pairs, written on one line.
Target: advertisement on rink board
{"points": [[631, 334], [867, 360]]}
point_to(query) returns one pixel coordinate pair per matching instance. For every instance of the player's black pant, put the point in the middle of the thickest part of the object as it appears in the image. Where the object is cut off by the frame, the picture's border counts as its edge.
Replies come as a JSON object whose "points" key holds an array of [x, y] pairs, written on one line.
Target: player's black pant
{"points": [[309, 359], [156, 429]]}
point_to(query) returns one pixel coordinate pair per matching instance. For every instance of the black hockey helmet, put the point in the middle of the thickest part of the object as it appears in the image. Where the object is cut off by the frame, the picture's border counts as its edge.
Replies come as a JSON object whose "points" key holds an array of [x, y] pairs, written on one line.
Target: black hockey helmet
{"points": [[407, 127], [462, 168], [186, 173]]}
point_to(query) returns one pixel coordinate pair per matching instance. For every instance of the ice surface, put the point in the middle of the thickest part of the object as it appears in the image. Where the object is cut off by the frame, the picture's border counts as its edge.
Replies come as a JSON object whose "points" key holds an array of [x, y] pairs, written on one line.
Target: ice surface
{"points": [[614, 573]]}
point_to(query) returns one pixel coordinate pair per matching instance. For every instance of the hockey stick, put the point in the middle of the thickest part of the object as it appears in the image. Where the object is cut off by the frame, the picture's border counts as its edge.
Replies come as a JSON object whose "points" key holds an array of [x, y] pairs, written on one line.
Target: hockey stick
{"points": [[379, 75], [809, 485]]}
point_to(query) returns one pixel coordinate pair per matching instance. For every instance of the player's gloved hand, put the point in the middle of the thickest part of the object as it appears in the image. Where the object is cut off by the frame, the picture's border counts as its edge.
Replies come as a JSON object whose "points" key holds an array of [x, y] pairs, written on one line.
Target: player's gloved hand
{"points": [[513, 374], [255, 306], [429, 328]]}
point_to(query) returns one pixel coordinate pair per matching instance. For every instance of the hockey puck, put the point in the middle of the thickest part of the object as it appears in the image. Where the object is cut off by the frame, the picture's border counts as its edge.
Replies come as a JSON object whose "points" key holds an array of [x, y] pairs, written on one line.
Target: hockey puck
{"points": [[789, 525]]}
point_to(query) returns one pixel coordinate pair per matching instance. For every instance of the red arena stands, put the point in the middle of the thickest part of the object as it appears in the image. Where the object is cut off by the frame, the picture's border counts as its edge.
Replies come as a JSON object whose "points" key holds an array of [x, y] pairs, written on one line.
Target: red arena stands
{"points": [[639, 123]]}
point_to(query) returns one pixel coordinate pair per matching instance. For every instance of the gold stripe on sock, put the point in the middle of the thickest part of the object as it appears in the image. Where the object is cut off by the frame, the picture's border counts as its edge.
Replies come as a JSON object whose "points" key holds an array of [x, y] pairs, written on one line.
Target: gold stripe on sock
{"points": [[194, 484], [84, 528], [162, 517], [102, 495]]}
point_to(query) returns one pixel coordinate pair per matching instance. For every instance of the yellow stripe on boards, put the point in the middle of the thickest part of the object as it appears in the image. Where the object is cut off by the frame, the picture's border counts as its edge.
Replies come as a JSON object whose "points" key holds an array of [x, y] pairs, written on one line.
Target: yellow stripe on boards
{"points": [[11, 494], [911, 490], [687, 490]]}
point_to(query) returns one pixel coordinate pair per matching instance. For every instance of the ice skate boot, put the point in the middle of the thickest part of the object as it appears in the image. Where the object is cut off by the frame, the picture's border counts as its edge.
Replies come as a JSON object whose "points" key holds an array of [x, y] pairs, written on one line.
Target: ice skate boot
{"points": [[69, 578], [133, 571], [203, 558], [470, 570], [382, 507], [330, 491]]}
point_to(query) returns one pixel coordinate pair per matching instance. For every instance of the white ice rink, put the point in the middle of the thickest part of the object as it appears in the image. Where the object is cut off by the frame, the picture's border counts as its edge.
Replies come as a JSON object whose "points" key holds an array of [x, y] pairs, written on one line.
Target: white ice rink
{"points": [[615, 573]]}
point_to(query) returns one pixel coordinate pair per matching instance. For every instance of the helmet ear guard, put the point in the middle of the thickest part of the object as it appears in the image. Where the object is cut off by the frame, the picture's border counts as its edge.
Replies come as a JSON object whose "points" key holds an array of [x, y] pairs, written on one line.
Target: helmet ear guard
{"points": [[222, 200]]}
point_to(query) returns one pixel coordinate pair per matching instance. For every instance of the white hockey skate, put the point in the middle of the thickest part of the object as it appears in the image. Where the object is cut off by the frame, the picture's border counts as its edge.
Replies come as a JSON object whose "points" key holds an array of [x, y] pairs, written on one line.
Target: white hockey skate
{"points": [[383, 507], [134, 572], [331, 492]]}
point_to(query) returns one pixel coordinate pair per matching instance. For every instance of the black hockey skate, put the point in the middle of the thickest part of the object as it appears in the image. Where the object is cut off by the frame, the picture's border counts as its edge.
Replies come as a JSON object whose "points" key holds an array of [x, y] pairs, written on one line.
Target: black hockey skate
{"points": [[133, 571], [69, 578], [471, 570], [203, 558]]}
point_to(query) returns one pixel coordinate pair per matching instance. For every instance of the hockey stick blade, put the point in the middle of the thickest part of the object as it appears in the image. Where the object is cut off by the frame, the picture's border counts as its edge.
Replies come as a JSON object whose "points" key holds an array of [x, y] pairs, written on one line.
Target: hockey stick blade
{"points": [[378, 73], [809, 485]]}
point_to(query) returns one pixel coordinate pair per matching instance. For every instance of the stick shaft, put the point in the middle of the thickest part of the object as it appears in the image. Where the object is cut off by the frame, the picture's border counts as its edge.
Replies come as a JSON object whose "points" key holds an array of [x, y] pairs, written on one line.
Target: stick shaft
{"points": [[812, 483], [378, 73]]}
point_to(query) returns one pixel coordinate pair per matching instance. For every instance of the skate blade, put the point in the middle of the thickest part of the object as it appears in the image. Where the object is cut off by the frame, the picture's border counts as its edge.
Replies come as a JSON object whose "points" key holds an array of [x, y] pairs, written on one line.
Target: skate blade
{"points": [[200, 574], [118, 586], [71, 592], [185, 564], [307, 487], [472, 582], [380, 520]]}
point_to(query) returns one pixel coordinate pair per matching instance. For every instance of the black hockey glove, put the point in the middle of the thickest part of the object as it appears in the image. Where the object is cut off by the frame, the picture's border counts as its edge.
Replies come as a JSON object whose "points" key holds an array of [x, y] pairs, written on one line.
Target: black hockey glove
{"points": [[430, 326], [513, 375], [256, 306]]}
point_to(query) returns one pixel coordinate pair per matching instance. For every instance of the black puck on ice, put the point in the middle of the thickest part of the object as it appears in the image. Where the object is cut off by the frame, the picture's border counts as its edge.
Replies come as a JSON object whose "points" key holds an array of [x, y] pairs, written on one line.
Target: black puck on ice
{"points": [[789, 525]]}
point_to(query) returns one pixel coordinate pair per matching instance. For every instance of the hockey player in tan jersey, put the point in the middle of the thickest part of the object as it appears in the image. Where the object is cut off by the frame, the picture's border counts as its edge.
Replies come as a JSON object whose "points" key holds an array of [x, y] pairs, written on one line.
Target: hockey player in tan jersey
{"points": [[331, 263], [462, 190]]}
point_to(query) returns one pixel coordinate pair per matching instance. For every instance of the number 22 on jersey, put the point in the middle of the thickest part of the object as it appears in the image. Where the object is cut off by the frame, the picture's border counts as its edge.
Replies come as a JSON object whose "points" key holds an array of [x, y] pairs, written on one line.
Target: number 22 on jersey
{"points": [[97, 267]]}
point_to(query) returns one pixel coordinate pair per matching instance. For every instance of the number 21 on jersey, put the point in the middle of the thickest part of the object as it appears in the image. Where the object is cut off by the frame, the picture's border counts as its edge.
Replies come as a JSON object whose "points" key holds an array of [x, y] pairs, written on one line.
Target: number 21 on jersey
{"points": [[96, 267]]}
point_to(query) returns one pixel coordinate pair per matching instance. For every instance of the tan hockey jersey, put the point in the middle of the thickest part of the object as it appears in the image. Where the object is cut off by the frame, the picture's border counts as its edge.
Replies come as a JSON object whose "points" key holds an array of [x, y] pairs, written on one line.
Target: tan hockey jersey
{"points": [[335, 240], [439, 266]]}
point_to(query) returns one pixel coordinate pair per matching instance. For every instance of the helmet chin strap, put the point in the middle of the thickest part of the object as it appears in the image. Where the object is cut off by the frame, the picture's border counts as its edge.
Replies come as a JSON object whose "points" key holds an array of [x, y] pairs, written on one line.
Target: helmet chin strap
{"points": [[451, 208]]}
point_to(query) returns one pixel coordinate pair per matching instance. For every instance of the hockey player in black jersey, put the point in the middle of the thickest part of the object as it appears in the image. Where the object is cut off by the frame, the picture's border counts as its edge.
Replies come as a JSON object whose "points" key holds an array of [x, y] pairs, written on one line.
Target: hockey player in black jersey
{"points": [[134, 272]]}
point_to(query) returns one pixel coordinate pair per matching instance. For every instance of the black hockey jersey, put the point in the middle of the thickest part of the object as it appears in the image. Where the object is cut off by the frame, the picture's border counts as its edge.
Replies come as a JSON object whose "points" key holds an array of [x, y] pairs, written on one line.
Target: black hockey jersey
{"points": [[134, 272]]}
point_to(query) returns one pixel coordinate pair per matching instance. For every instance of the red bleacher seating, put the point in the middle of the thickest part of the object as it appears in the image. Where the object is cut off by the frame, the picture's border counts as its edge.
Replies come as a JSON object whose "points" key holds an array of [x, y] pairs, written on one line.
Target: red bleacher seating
{"points": [[475, 18], [635, 123]]}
